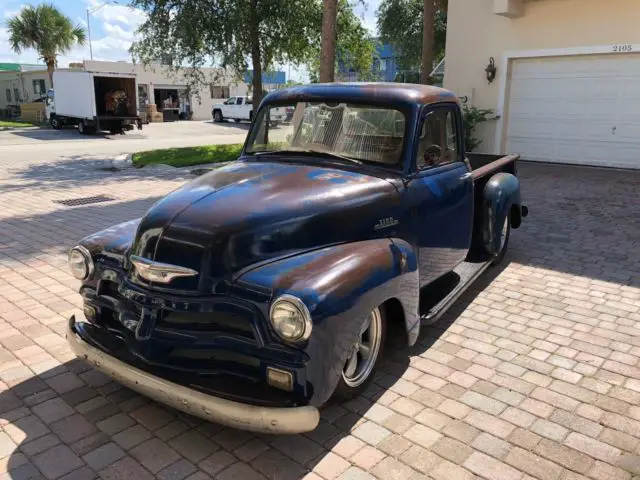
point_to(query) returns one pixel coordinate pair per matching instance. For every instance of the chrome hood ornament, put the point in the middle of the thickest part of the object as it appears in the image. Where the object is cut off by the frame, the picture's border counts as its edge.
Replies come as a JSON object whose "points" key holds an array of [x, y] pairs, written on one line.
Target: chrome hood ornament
{"points": [[160, 272]]}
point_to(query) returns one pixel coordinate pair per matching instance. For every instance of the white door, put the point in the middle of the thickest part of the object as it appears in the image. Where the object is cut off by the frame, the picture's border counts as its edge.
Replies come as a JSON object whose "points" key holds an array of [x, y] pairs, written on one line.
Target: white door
{"points": [[578, 109]]}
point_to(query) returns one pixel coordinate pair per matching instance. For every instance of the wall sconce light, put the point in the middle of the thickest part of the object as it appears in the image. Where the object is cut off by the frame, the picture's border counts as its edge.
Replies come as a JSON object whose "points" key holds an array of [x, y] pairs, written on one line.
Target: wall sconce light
{"points": [[491, 70]]}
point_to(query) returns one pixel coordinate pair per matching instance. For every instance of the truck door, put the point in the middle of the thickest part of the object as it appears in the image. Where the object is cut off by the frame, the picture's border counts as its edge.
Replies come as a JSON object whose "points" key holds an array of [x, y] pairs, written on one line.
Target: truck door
{"points": [[228, 108], [241, 109], [441, 195]]}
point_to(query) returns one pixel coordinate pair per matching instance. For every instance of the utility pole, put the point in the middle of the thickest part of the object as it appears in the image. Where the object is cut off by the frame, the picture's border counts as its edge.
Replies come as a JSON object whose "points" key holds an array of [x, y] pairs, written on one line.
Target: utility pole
{"points": [[89, 34], [89, 12]]}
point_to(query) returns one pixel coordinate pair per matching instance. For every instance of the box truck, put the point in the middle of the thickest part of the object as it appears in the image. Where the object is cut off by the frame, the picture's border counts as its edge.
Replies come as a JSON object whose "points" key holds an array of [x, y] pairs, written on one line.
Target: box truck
{"points": [[93, 101]]}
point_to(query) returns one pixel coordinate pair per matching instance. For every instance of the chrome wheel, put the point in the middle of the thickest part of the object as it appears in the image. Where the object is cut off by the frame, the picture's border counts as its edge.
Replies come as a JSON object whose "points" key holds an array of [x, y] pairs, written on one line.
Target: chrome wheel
{"points": [[365, 351], [504, 233]]}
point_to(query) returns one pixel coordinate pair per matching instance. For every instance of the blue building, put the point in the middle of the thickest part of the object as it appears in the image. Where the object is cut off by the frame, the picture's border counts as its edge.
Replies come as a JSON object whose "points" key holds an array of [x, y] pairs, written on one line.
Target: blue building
{"points": [[384, 69]]}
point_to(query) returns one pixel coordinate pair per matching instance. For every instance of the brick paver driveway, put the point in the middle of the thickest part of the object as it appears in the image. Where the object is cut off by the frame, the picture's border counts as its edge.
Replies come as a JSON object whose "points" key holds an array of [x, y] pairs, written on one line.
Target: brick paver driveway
{"points": [[534, 374]]}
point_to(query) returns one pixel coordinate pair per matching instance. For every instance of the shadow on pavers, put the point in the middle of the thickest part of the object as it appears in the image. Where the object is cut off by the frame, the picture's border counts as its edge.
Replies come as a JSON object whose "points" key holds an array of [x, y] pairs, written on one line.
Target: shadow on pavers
{"points": [[27, 237], [54, 421], [583, 221], [80, 171]]}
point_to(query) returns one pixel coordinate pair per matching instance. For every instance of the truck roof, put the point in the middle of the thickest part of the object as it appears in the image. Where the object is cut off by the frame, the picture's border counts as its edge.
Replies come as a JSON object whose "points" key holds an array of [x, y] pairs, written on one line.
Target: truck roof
{"points": [[378, 92]]}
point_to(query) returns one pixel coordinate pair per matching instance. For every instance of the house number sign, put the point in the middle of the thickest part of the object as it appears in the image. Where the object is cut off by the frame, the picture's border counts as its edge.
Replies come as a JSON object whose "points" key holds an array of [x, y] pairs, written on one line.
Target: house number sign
{"points": [[622, 48]]}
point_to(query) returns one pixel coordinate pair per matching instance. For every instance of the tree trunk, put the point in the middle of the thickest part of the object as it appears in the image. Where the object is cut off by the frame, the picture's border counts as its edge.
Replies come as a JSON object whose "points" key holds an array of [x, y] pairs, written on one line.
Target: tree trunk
{"points": [[428, 34], [328, 52], [51, 66], [256, 55]]}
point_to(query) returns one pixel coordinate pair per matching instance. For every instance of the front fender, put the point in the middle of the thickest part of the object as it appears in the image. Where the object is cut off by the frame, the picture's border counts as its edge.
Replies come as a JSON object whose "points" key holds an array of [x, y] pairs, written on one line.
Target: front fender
{"points": [[501, 193], [341, 285]]}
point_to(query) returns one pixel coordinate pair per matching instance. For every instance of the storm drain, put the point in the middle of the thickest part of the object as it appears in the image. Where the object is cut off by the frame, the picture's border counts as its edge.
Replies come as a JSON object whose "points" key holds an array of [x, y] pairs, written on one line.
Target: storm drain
{"points": [[74, 202]]}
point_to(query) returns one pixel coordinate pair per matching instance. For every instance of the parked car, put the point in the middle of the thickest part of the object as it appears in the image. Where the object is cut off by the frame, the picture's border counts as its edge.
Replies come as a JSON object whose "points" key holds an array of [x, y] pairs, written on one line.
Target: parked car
{"points": [[257, 292], [241, 108]]}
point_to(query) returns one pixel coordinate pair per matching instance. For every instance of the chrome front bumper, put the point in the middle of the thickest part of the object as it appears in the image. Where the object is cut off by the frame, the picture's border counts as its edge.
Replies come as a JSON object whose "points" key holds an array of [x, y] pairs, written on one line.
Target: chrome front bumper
{"points": [[219, 410]]}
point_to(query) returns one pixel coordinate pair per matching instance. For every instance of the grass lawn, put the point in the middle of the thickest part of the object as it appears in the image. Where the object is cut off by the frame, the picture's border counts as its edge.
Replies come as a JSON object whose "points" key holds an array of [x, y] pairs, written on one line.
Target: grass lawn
{"points": [[12, 124], [184, 157]]}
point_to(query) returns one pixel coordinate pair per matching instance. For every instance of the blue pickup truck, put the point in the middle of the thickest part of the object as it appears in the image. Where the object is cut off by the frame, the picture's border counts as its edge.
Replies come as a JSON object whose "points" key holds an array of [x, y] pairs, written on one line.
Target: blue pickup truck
{"points": [[257, 292]]}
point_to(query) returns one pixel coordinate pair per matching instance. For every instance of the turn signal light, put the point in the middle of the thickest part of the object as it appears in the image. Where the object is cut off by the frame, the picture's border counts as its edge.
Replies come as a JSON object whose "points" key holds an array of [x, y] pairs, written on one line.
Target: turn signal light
{"points": [[280, 379]]}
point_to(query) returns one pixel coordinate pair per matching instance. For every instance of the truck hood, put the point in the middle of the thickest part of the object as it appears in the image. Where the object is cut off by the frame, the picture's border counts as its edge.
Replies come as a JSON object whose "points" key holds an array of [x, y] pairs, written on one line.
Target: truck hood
{"points": [[250, 212]]}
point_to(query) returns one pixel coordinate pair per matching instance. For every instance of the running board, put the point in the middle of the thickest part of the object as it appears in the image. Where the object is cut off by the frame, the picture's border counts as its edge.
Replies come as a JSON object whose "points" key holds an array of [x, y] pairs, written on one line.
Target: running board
{"points": [[468, 272]]}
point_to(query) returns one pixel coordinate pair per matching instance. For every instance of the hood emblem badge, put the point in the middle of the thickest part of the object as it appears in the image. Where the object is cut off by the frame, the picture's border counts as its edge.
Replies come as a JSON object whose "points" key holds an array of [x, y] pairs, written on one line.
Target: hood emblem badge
{"points": [[385, 223], [160, 272]]}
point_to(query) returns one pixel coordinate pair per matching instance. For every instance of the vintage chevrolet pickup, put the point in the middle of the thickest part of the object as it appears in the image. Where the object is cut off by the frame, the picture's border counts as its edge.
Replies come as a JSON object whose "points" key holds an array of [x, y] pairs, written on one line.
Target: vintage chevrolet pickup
{"points": [[258, 291]]}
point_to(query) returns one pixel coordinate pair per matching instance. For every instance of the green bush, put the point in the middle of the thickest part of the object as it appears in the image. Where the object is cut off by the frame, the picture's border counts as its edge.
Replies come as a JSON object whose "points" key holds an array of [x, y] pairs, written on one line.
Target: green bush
{"points": [[472, 117]]}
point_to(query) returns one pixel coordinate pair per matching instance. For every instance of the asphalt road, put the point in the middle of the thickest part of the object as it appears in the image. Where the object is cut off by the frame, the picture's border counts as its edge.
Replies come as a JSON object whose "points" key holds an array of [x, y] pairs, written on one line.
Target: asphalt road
{"points": [[22, 147]]}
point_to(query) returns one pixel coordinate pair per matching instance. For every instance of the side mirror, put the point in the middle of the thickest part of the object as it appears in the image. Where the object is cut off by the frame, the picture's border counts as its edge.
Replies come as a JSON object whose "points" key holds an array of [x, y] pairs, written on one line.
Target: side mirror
{"points": [[432, 155]]}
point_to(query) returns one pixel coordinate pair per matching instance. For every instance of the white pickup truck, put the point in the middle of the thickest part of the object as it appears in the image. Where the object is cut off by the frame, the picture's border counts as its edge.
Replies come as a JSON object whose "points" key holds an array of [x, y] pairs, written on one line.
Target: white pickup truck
{"points": [[241, 108]]}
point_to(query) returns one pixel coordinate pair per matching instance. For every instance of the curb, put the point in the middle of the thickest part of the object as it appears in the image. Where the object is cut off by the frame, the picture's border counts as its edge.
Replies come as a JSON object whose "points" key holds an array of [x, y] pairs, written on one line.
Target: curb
{"points": [[122, 162]]}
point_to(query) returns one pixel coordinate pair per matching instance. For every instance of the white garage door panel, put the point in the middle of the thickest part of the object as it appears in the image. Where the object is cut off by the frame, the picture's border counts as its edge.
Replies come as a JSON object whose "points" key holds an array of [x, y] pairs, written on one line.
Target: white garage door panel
{"points": [[580, 109]]}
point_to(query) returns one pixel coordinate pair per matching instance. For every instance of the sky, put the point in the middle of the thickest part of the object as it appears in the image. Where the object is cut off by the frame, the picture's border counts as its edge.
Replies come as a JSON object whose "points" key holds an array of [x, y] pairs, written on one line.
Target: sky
{"points": [[113, 29]]}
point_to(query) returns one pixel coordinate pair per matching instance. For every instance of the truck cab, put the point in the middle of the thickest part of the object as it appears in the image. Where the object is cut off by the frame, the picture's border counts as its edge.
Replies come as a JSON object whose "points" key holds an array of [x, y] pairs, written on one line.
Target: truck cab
{"points": [[262, 289]]}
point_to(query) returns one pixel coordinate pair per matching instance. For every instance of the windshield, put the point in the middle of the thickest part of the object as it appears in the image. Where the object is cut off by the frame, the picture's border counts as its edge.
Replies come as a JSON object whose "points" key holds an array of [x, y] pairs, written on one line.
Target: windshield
{"points": [[353, 132]]}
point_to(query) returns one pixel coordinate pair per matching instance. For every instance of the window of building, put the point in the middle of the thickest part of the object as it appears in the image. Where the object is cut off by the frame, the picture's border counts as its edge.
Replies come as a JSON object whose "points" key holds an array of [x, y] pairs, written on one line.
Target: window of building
{"points": [[219, 91], [439, 139], [16, 95], [383, 64], [39, 87], [9, 95]]}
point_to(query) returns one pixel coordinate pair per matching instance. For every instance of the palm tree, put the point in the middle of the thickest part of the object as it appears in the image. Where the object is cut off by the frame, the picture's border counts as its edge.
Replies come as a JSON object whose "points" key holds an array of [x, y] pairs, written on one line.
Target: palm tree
{"points": [[45, 29], [328, 47]]}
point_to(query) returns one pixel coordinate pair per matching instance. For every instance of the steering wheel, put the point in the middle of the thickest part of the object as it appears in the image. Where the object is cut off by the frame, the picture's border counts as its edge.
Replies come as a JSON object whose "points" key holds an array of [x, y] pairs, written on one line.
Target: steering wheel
{"points": [[432, 155]]}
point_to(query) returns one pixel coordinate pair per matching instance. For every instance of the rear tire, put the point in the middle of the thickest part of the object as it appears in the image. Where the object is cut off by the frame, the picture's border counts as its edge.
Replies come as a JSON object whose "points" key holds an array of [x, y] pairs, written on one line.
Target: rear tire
{"points": [[360, 368], [82, 128], [505, 233]]}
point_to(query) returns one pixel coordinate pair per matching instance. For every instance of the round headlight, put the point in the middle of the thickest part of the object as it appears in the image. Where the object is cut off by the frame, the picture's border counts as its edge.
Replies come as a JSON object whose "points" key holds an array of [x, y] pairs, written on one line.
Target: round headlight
{"points": [[291, 318], [80, 262]]}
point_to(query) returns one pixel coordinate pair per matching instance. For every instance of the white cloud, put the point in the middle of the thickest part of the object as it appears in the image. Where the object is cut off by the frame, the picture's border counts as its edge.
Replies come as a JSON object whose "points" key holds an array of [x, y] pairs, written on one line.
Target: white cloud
{"points": [[116, 31], [130, 16], [13, 12], [367, 14]]}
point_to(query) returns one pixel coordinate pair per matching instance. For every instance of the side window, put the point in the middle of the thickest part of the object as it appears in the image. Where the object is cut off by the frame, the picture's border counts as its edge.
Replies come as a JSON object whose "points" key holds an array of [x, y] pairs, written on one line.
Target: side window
{"points": [[231, 101], [239, 101], [438, 142]]}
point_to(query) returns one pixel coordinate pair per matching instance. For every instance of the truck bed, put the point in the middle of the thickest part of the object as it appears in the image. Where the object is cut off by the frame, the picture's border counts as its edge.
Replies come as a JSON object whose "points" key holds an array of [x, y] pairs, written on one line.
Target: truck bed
{"points": [[483, 164]]}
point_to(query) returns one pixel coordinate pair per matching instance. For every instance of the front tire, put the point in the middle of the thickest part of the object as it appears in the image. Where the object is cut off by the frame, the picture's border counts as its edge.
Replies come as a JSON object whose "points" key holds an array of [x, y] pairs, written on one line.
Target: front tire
{"points": [[505, 233], [217, 116], [55, 122], [359, 370]]}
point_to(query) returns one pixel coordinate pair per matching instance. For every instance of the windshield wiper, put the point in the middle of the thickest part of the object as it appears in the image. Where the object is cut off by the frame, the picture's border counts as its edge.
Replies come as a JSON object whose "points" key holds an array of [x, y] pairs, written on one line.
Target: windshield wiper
{"points": [[308, 150]]}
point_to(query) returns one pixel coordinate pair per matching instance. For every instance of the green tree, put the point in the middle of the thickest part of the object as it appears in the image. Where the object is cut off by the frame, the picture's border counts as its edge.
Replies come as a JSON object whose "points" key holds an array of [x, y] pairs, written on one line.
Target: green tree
{"points": [[45, 29], [401, 24], [355, 47], [198, 33]]}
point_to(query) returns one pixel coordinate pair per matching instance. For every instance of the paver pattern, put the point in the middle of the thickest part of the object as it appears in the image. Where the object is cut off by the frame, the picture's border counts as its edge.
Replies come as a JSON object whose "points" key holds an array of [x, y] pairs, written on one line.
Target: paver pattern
{"points": [[533, 374]]}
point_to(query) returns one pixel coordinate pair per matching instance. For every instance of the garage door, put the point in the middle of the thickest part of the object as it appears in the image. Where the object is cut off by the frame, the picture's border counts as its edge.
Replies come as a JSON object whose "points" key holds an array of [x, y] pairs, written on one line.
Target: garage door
{"points": [[579, 109]]}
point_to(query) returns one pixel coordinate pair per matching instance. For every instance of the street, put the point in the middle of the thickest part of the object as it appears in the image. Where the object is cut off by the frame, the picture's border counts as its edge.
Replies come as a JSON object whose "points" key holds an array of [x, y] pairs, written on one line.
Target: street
{"points": [[24, 146], [534, 373]]}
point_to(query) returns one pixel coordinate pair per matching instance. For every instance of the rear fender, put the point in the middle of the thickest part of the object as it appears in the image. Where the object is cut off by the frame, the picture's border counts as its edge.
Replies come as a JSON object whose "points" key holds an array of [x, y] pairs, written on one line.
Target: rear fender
{"points": [[501, 198], [340, 286]]}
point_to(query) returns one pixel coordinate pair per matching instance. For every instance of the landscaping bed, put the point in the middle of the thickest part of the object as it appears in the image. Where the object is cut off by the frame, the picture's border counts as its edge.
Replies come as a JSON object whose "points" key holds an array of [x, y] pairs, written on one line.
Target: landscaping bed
{"points": [[187, 156]]}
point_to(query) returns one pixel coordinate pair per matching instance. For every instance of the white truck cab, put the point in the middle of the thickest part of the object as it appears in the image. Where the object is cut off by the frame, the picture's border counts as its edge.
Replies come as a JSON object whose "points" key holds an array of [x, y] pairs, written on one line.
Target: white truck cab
{"points": [[241, 108]]}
